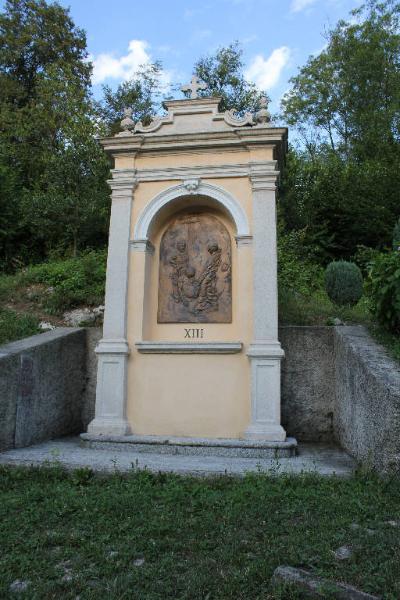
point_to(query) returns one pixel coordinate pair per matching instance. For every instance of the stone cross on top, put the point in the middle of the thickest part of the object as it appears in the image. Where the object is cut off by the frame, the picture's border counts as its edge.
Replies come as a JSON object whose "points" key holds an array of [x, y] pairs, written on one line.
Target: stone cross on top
{"points": [[193, 87]]}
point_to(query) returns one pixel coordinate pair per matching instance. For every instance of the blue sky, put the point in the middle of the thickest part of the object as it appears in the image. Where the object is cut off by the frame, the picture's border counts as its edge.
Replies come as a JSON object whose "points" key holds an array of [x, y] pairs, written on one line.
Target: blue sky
{"points": [[277, 35]]}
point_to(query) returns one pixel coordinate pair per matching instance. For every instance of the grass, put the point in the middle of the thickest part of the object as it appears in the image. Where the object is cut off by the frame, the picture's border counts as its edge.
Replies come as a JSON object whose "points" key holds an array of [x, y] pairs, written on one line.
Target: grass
{"points": [[150, 537], [15, 326]]}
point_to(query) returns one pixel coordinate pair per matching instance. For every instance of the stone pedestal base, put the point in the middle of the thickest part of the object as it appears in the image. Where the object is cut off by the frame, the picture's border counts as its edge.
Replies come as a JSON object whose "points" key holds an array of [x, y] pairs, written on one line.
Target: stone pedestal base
{"points": [[265, 358], [270, 432], [192, 446], [110, 416], [106, 427]]}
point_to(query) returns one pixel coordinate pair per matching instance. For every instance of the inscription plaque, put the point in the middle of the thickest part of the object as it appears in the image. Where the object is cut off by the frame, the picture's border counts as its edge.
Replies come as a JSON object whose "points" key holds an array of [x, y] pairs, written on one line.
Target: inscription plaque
{"points": [[195, 271]]}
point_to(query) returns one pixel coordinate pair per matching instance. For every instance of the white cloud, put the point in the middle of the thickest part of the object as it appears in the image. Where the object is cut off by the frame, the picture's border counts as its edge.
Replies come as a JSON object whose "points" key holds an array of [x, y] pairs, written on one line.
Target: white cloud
{"points": [[299, 5], [107, 66], [265, 72]]}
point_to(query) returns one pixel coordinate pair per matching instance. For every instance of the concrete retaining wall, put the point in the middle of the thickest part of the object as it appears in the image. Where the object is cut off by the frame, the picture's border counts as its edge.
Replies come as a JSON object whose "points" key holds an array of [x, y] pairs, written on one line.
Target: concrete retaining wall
{"points": [[42, 379], [308, 382], [367, 405], [337, 385]]}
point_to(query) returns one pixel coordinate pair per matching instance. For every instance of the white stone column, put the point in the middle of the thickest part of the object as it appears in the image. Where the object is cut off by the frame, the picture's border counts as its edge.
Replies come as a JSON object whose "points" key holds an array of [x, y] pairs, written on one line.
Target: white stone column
{"points": [[113, 349], [265, 352]]}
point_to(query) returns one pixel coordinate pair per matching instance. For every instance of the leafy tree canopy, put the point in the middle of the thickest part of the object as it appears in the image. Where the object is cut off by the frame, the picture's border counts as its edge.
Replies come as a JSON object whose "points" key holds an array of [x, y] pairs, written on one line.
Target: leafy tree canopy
{"points": [[140, 93], [349, 95], [342, 186], [223, 74]]}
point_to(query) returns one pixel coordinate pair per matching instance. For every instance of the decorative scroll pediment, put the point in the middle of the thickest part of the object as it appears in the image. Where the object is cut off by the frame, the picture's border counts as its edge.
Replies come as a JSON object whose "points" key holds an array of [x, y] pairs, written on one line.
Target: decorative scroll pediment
{"points": [[155, 124], [196, 114], [231, 118]]}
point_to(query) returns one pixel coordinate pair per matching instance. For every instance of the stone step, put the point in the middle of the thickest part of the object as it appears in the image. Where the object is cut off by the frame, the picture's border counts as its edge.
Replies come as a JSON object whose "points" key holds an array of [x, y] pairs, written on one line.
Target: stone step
{"points": [[192, 446]]}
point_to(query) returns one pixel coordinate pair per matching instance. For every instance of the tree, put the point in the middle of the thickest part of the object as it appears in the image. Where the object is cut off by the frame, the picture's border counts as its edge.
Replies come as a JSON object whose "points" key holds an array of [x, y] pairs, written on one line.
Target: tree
{"points": [[342, 185], [72, 211], [350, 93], [223, 74], [140, 93], [47, 123], [43, 65]]}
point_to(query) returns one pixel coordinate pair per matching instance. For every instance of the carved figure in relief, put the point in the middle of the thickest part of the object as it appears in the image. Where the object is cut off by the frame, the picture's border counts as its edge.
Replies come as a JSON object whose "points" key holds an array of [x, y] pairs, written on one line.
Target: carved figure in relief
{"points": [[195, 257], [179, 263]]}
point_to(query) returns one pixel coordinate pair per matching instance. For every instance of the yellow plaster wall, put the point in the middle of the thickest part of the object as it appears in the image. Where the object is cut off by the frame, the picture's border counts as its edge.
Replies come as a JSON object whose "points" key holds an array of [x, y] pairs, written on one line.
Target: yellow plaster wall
{"points": [[188, 395]]}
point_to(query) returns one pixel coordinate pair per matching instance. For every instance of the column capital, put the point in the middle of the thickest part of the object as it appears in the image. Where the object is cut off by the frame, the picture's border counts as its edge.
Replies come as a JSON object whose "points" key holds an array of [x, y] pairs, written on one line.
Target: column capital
{"points": [[144, 245], [263, 175], [123, 182]]}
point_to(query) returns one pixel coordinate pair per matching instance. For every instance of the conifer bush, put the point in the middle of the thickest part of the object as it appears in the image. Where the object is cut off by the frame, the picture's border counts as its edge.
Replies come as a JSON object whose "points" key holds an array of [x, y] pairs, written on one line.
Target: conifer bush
{"points": [[343, 283]]}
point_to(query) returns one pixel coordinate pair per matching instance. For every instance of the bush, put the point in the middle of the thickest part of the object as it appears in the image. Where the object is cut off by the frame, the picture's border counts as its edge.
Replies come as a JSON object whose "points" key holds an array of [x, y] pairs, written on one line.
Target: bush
{"points": [[383, 287], [74, 281], [296, 269], [343, 283]]}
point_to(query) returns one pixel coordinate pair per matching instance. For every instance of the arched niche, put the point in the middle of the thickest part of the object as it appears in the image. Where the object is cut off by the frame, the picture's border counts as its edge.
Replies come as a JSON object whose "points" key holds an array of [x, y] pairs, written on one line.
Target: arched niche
{"points": [[177, 197], [214, 271]]}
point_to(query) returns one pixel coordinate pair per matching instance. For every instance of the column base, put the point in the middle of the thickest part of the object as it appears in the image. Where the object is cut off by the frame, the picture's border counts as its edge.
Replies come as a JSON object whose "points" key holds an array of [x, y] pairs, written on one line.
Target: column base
{"points": [[104, 426], [268, 432]]}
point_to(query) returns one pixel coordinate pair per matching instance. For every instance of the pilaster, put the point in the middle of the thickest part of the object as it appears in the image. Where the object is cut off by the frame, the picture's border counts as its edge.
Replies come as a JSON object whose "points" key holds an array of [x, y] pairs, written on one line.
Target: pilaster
{"points": [[265, 352], [113, 349]]}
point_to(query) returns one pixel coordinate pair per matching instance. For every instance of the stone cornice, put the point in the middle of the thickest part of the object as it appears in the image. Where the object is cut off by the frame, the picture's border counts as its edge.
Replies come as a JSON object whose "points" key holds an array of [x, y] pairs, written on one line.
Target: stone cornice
{"points": [[203, 171], [239, 138]]}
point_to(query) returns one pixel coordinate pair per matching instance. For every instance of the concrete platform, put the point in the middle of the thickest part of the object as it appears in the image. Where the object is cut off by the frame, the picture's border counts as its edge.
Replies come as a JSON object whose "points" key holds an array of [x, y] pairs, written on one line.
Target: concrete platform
{"points": [[68, 452], [192, 446]]}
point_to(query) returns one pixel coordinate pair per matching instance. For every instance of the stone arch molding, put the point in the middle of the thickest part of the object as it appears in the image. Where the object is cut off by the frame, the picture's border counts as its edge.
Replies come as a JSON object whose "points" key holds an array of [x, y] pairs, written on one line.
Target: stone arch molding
{"points": [[191, 187]]}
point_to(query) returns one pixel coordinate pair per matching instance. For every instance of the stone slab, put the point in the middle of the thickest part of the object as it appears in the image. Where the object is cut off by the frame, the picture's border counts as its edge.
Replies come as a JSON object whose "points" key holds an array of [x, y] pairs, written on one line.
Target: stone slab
{"points": [[192, 446], [68, 452], [312, 586]]}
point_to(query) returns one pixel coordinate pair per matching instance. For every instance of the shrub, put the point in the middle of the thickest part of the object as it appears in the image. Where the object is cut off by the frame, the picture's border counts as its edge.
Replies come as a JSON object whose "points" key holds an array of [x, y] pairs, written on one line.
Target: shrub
{"points": [[383, 287], [70, 282], [65, 283], [343, 283], [297, 271]]}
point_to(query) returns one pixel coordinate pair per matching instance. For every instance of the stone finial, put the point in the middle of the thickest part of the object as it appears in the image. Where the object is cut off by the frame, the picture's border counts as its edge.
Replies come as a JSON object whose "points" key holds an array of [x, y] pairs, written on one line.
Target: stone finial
{"points": [[127, 122], [263, 115], [193, 87]]}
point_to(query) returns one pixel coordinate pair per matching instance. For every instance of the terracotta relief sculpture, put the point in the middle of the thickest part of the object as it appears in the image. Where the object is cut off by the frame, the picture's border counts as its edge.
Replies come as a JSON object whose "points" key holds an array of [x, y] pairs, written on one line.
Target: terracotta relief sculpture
{"points": [[195, 271]]}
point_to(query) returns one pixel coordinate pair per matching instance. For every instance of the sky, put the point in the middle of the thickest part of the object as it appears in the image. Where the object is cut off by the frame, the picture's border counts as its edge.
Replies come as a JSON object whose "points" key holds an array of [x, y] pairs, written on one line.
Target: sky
{"points": [[277, 36]]}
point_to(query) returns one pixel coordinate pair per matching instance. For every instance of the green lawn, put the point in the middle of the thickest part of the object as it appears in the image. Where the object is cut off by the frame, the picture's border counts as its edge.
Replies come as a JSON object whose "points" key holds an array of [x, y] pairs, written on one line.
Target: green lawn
{"points": [[146, 537]]}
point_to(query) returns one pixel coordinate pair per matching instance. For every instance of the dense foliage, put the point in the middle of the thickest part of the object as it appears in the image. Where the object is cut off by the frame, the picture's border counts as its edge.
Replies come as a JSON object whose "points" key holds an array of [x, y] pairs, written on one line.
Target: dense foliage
{"points": [[396, 236], [343, 283], [57, 285], [342, 184], [384, 290], [53, 194]]}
